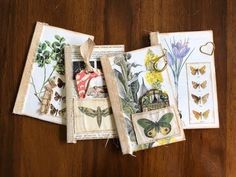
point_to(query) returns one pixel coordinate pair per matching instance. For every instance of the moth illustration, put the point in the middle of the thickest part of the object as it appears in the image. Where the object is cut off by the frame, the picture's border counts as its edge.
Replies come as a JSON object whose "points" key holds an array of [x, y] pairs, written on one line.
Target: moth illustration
{"points": [[200, 99], [200, 115], [162, 126], [198, 71], [58, 97], [62, 112], [199, 85], [54, 111], [60, 83], [99, 113]]}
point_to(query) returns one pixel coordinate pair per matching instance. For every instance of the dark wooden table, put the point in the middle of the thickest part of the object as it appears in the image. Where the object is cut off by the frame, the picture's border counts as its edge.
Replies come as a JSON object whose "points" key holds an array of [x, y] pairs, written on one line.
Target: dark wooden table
{"points": [[33, 148]]}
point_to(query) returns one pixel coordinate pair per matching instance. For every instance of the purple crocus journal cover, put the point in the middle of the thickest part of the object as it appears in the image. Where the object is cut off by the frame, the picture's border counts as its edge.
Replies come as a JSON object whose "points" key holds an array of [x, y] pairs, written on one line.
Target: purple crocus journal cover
{"points": [[190, 56]]}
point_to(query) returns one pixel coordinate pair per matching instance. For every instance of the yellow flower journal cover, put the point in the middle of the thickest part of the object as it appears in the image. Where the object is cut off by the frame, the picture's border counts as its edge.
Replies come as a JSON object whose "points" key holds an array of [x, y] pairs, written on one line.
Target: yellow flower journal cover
{"points": [[142, 99]]}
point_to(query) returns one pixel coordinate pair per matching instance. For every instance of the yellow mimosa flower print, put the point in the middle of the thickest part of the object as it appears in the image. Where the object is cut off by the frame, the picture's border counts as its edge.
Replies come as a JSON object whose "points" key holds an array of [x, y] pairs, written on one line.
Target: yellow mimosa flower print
{"points": [[166, 141], [152, 76]]}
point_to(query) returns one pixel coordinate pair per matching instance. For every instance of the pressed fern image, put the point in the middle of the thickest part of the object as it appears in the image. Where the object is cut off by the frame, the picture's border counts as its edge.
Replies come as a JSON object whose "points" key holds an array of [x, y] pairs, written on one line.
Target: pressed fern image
{"points": [[49, 53]]}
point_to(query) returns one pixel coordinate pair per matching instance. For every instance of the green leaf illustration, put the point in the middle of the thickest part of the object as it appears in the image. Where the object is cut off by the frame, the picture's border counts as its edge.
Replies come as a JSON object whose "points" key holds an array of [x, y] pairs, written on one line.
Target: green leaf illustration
{"points": [[62, 39], [128, 107], [44, 46], [57, 37], [47, 52], [134, 88], [48, 43], [128, 83], [55, 45]]}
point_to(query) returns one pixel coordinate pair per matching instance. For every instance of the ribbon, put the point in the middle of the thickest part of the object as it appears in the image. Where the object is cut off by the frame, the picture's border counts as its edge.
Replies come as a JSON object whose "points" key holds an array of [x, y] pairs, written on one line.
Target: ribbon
{"points": [[84, 76], [86, 50]]}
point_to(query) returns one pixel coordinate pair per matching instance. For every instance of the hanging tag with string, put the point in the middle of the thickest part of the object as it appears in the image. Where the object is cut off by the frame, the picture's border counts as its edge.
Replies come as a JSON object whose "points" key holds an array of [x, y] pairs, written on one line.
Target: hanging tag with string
{"points": [[84, 76]]}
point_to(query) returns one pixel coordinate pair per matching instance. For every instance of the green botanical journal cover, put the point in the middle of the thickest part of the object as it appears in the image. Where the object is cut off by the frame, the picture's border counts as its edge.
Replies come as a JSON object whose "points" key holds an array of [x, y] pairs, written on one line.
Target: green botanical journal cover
{"points": [[41, 93]]}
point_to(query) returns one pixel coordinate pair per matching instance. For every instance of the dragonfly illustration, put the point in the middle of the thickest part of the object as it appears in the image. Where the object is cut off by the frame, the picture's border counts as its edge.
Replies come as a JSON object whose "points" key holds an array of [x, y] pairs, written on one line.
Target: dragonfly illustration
{"points": [[99, 113]]}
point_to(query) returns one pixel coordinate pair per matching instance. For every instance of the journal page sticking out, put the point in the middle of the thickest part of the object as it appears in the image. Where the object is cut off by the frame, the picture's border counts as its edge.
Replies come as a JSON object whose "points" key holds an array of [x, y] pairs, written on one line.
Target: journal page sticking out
{"points": [[41, 93], [191, 59], [142, 99], [89, 112]]}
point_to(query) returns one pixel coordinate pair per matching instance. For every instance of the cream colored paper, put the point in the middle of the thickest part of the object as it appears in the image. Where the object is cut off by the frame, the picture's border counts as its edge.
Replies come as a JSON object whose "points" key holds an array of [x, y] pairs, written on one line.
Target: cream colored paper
{"points": [[83, 123], [130, 68], [43, 64], [154, 118], [195, 50]]}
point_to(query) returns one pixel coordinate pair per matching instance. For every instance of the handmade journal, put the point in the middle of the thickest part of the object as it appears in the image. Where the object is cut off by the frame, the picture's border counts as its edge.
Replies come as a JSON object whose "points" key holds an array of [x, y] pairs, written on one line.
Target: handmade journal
{"points": [[41, 93], [142, 99], [190, 58], [89, 112]]}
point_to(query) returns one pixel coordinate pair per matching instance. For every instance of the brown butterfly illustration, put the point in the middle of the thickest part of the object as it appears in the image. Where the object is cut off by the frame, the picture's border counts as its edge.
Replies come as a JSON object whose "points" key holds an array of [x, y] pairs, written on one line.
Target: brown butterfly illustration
{"points": [[99, 113], [198, 71], [58, 97], [62, 112], [54, 111], [200, 99], [60, 83], [199, 85], [200, 115]]}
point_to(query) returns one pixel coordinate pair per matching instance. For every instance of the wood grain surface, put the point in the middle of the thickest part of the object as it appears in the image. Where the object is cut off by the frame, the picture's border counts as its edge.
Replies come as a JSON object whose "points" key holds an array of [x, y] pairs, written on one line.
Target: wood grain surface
{"points": [[33, 148]]}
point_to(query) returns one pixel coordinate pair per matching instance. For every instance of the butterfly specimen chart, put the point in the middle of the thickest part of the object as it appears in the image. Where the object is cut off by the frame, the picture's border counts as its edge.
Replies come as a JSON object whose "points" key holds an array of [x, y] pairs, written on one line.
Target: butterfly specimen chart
{"points": [[200, 92], [190, 58], [142, 99], [52, 98], [89, 114], [42, 90]]}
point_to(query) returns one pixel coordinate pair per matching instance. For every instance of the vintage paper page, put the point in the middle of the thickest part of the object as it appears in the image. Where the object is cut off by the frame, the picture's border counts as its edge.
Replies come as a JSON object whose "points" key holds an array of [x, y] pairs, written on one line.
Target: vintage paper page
{"points": [[142, 99], [89, 112], [191, 59], [42, 90]]}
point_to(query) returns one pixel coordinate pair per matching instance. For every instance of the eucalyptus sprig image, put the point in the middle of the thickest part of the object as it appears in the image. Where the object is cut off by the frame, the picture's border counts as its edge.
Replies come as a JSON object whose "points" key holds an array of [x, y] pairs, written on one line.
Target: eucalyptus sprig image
{"points": [[49, 53]]}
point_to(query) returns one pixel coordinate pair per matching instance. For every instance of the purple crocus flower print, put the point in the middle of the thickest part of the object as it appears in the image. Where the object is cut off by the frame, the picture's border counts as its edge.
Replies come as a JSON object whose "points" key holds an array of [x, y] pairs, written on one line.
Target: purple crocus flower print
{"points": [[170, 59], [180, 49], [177, 54]]}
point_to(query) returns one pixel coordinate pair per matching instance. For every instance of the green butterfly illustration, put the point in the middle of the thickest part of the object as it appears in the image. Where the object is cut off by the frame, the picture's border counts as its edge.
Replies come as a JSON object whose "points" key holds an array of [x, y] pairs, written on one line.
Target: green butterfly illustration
{"points": [[99, 113], [152, 128]]}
